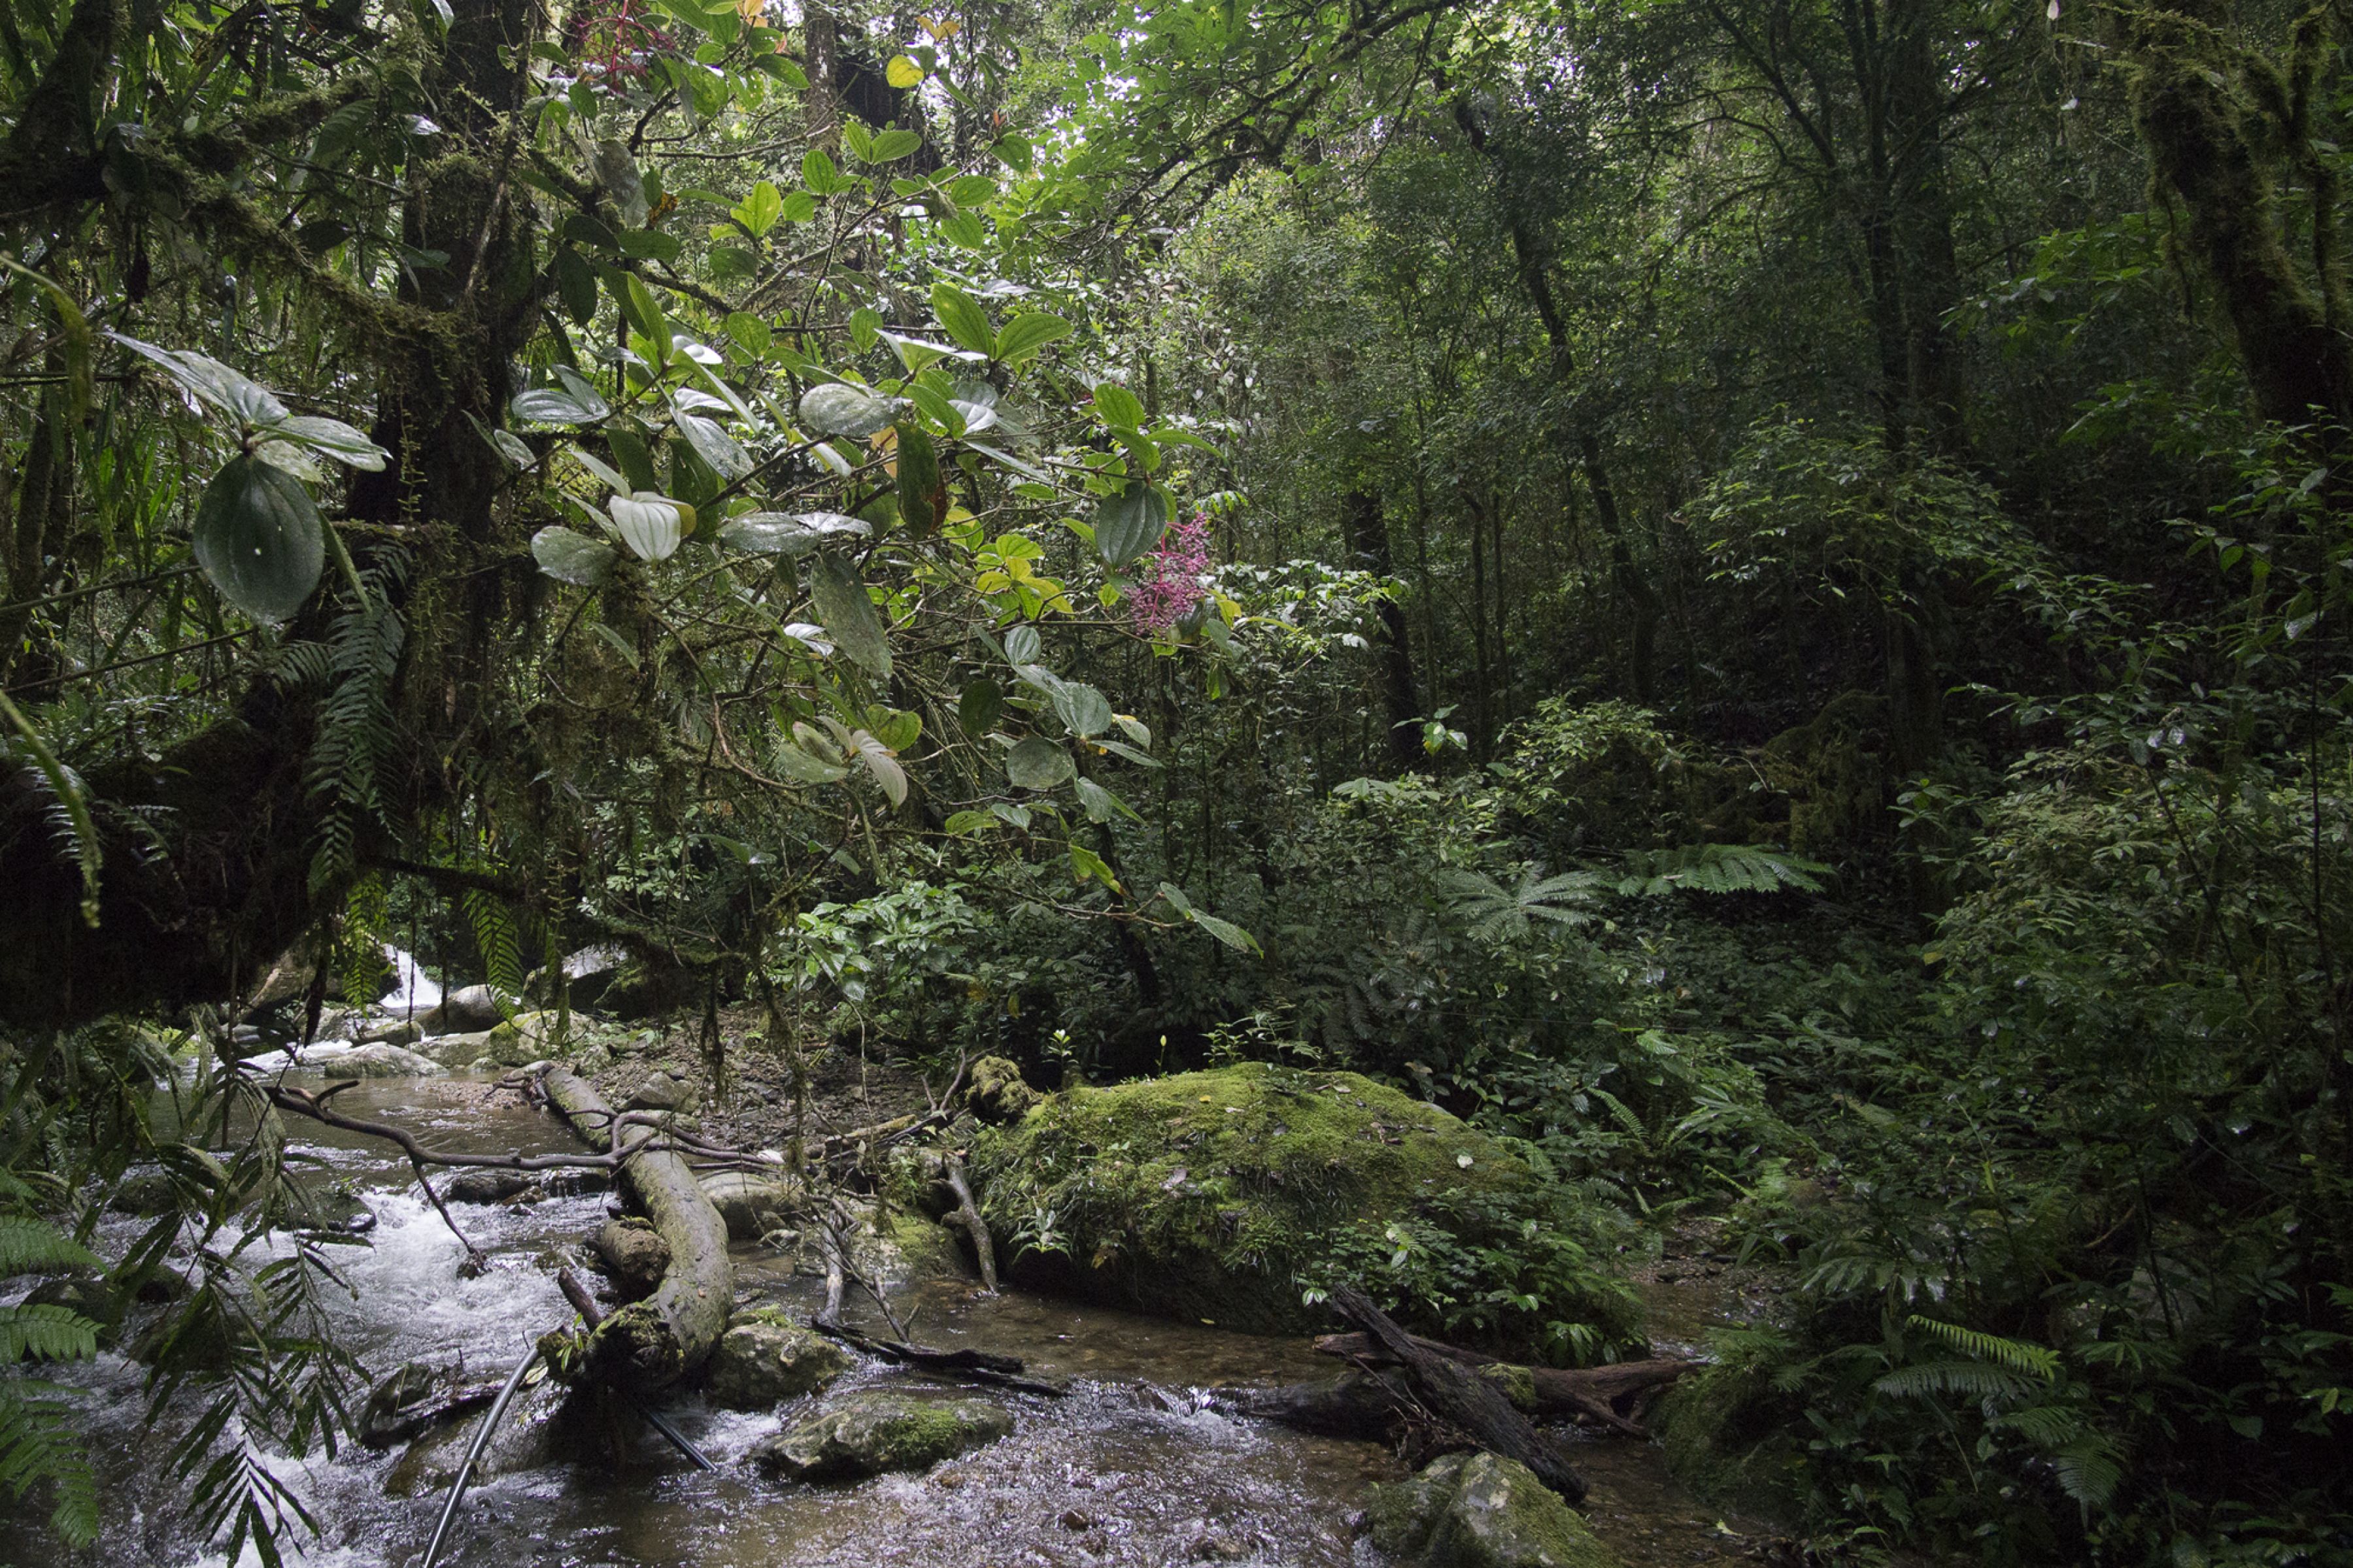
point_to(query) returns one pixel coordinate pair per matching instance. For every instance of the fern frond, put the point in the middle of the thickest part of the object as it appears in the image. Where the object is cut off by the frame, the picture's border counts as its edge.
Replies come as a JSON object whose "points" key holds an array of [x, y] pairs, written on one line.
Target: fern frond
{"points": [[48, 1333], [32, 1246], [2043, 1426], [77, 827], [1975, 1379], [2038, 1362], [2089, 1470], [37, 1444]]}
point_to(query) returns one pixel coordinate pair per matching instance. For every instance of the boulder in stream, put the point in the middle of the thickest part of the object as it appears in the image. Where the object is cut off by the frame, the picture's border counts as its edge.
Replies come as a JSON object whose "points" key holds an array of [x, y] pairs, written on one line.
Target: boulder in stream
{"points": [[1481, 1510], [870, 1434], [766, 1358], [527, 1438], [1217, 1195], [486, 1184], [750, 1206], [378, 1060]]}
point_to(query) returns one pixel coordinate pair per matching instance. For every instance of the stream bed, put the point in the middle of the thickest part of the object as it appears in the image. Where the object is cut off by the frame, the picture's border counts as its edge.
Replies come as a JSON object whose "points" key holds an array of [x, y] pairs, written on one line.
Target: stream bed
{"points": [[1133, 1469]]}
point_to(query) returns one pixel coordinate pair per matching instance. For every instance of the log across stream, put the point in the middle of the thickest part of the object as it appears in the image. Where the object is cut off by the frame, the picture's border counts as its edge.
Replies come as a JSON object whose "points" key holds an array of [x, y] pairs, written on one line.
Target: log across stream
{"points": [[1135, 1467]]}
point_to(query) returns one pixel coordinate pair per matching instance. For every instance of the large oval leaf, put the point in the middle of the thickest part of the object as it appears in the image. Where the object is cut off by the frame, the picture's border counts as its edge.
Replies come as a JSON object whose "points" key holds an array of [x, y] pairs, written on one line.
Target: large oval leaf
{"points": [[1038, 763], [714, 446], [844, 410], [260, 539], [1083, 708], [1129, 523], [651, 526], [787, 532], [572, 557], [555, 405], [978, 707], [922, 494], [840, 596], [331, 438]]}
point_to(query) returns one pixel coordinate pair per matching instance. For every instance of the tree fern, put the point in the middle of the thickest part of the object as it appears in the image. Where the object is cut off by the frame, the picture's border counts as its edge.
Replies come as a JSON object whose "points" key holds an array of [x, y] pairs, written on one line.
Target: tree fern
{"points": [[1495, 913], [1718, 868], [356, 733]]}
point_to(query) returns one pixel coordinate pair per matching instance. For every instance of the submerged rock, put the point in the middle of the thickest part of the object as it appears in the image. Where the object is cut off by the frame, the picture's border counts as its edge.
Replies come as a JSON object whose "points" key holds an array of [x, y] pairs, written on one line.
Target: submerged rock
{"points": [[873, 1433], [1481, 1510], [1206, 1195], [146, 1193], [486, 1187], [529, 1437], [765, 1357]]}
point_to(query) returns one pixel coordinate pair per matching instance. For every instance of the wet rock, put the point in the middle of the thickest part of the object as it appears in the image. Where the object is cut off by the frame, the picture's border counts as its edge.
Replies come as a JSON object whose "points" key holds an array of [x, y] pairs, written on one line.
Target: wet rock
{"points": [[486, 1187], [874, 1433], [633, 1253], [457, 1050], [997, 1092], [146, 1193], [1230, 1185], [391, 1032], [660, 1091], [589, 972], [1219, 1549], [328, 1211], [750, 1206], [765, 1358], [395, 1408], [531, 1435], [469, 1007], [1480, 1511], [373, 1061]]}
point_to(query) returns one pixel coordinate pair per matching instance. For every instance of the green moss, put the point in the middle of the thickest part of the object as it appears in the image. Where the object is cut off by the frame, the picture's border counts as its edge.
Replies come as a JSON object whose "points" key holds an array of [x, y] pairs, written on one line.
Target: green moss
{"points": [[1518, 1384], [1215, 1195]]}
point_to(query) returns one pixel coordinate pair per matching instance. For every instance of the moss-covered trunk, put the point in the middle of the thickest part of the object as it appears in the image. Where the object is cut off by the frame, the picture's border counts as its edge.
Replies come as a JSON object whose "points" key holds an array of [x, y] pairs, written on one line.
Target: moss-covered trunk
{"points": [[653, 1342]]}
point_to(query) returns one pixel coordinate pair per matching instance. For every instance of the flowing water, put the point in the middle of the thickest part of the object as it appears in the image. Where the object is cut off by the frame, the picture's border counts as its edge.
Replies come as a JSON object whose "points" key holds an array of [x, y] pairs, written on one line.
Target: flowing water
{"points": [[1132, 1468]]}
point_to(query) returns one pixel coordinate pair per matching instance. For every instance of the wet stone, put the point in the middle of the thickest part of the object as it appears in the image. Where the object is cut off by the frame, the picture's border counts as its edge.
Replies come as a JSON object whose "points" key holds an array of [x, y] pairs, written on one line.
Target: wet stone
{"points": [[1481, 1510], [765, 1358], [486, 1187], [874, 1433]]}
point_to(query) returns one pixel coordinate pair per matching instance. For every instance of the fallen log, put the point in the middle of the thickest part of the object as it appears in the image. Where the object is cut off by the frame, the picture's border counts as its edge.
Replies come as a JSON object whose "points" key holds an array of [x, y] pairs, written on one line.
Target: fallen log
{"points": [[1604, 1394], [1462, 1398], [965, 1365], [649, 1344]]}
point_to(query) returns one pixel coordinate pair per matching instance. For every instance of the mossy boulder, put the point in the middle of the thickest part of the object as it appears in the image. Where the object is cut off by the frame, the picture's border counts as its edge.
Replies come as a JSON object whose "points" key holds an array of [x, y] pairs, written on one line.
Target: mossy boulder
{"points": [[765, 1357], [1481, 1510], [998, 1092], [874, 1433], [1212, 1194]]}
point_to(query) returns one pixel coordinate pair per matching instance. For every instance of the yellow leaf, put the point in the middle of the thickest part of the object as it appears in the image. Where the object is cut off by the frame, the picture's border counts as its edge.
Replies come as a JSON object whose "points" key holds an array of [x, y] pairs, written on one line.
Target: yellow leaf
{"points": [[902, 72]]}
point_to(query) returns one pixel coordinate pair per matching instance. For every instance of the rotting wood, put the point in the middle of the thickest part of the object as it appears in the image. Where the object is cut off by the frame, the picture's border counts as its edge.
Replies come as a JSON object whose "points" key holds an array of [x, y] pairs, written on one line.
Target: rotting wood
{"points": [[1462, 1398], [651, 1344], [965, 1365], [1608, 1395]]}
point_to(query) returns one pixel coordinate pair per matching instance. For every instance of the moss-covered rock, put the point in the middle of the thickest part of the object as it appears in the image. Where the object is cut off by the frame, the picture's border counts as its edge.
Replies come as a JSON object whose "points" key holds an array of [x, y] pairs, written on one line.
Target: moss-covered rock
{"points": [[998, 1092], [765, 1357], [1481, 1510], [1206, 1194], [873, 1433]]}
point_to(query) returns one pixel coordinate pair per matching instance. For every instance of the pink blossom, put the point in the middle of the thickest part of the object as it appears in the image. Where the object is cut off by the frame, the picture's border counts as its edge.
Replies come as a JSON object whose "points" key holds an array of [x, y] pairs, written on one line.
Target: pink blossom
{"points": [[1170, 583]]}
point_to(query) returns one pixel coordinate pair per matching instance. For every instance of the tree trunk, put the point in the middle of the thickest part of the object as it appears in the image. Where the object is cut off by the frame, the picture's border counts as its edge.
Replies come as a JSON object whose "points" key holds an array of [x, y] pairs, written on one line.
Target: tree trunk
{"points": [[1368, 546], [2299, 368]]}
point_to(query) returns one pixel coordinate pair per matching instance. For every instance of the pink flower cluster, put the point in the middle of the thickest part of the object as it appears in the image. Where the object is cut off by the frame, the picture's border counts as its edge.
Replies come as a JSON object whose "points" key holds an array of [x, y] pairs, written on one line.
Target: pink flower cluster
{"points": [[1170, 585]]}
